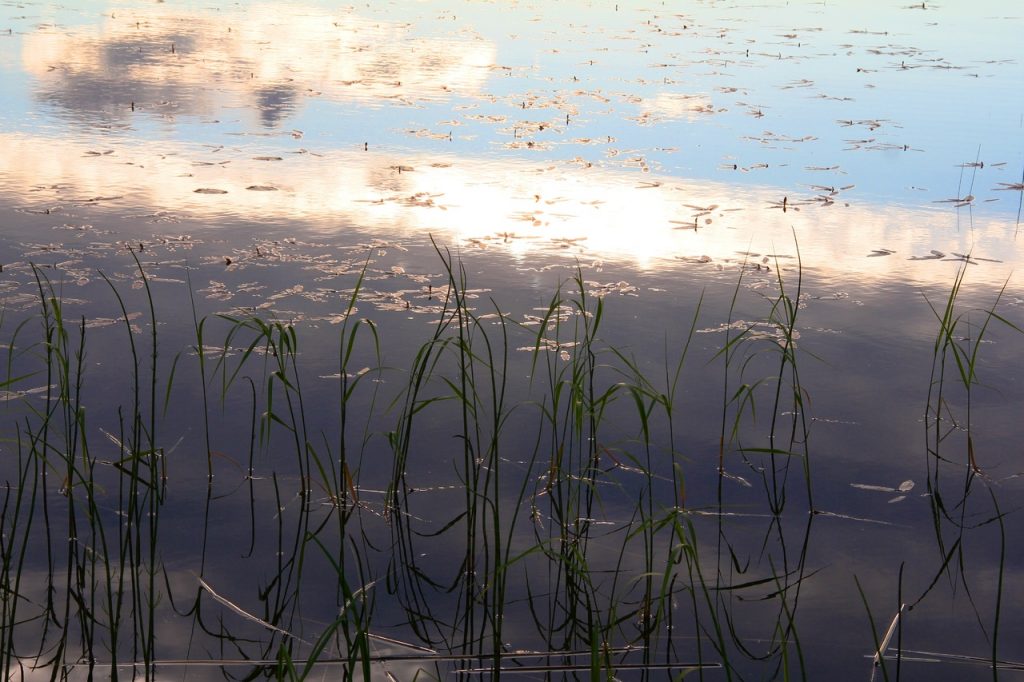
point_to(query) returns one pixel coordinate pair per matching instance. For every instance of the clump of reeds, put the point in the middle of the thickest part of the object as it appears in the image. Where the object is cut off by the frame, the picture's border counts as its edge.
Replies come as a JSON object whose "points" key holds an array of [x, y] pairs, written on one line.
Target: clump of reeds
{"points": [[471, 511]]}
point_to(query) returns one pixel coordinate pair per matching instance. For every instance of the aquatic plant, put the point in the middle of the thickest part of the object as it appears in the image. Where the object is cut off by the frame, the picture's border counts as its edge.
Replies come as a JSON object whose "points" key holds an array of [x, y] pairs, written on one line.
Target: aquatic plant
{"points": [[519, 496]]}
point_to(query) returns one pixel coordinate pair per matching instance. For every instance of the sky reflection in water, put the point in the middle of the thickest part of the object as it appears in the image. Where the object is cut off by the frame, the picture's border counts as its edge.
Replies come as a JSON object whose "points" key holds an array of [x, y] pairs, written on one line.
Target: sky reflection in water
{"points": [[572, 124], [884, 140], [650, 220]]}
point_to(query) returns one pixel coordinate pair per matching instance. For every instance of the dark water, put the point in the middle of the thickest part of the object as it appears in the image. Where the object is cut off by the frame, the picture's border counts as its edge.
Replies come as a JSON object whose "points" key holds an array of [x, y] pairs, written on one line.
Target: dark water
{"points": [[690, 166]]}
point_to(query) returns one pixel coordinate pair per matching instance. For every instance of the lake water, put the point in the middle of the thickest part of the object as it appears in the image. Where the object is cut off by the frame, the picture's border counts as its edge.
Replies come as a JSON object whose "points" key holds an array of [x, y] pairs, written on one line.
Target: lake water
{"points": [[811, 210]]}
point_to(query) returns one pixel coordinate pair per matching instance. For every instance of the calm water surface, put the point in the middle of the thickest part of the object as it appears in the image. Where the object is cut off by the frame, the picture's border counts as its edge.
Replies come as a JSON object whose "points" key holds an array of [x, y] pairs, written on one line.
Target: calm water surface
{"points": [[688, 164]]}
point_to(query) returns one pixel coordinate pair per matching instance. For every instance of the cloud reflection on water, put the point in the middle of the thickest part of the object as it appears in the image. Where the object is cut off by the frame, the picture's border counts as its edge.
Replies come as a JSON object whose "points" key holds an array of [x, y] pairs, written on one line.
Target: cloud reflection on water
{"points": [[199, 62], [261, 60], [522, 207], [267, 63]]}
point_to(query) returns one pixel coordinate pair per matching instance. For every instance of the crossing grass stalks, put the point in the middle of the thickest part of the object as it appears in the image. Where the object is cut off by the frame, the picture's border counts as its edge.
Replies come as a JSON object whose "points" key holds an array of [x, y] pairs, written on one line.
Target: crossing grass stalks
{"points": [[957, 510], [474, 513]]}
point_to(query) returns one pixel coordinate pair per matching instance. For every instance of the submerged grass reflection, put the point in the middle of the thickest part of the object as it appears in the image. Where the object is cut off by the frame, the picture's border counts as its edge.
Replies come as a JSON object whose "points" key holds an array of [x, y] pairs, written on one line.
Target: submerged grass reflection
{"points": [[473, 512]]}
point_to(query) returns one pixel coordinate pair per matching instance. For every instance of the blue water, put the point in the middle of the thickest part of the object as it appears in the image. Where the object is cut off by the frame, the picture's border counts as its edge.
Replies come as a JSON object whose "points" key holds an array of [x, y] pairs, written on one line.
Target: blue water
{"points": [[662, 154]]}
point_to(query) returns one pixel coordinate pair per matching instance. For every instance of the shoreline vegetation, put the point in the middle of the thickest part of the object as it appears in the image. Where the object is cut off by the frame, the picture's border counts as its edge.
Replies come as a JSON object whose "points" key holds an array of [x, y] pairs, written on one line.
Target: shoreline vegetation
{"points": [[468, 514]]}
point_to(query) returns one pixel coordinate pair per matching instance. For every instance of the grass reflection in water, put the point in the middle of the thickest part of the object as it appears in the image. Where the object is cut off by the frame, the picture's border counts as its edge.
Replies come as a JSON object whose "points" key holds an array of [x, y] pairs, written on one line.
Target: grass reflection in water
{"points": [[472, 513]]}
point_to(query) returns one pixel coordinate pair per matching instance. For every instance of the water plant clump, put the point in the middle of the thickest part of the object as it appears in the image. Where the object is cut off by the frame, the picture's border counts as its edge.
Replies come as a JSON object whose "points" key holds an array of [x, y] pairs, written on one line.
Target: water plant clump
{"points": [[511, 496]]}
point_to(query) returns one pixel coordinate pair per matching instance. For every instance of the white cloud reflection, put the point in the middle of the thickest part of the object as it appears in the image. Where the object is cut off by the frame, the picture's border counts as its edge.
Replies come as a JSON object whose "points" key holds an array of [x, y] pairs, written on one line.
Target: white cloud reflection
{"points": [[519, 206], [197, 61], [675, 105]]}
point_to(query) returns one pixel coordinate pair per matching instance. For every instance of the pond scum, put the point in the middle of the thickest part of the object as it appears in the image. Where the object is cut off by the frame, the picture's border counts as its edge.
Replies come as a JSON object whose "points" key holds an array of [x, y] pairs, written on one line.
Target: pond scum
{"points": [[549, 536]]}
